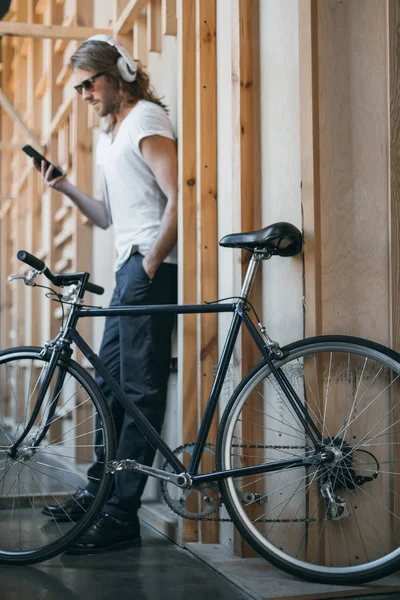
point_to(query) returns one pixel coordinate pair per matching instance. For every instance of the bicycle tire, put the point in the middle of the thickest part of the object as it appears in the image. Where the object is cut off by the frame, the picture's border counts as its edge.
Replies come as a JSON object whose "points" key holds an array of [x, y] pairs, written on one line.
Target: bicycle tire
{"points": [[48, 473], [291, 525]]}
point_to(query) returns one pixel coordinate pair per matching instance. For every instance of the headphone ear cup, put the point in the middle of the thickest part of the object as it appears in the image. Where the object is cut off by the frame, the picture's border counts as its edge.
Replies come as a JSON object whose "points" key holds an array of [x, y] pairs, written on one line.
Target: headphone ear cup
{"points": [[125, 71]]}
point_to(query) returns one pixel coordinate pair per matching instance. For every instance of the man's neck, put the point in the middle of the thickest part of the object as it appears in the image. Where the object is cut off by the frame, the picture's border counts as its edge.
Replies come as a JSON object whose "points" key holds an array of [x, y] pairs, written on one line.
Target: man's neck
{"points": [[124, 110]]}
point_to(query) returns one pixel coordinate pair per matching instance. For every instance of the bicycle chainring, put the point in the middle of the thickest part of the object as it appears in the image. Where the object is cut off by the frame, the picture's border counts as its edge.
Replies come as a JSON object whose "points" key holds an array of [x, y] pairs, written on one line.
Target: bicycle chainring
{"points": [[184, 502]]}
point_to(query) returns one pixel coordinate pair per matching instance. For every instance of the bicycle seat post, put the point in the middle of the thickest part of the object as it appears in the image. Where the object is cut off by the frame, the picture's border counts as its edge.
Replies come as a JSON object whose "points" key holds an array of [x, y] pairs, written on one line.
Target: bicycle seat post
{"points": [[251, 272]]}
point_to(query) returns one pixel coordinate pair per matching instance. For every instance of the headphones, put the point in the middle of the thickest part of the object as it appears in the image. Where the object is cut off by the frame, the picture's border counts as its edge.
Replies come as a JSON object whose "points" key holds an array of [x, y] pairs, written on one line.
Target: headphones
{"points": [[127, 66]]}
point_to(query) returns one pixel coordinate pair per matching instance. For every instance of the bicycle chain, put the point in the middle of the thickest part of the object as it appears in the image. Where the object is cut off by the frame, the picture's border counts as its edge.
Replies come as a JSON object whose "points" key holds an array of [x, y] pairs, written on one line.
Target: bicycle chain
{"points": [[220, 520]]}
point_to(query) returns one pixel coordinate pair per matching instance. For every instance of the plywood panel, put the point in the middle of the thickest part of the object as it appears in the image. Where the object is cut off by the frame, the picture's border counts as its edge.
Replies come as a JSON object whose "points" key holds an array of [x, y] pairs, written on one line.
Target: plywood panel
{"points": [[344, 148], [354, 165]]}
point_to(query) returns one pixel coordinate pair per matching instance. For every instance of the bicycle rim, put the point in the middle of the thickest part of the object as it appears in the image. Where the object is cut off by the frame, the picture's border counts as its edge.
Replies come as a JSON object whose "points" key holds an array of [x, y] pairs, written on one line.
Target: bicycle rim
{"points": [[352, 393], [72, 420]]}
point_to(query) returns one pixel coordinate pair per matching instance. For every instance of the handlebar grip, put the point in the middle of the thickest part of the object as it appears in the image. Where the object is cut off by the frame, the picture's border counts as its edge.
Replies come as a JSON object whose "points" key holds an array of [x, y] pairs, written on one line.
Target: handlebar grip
{"points": [[31, 260], [95, 289]]}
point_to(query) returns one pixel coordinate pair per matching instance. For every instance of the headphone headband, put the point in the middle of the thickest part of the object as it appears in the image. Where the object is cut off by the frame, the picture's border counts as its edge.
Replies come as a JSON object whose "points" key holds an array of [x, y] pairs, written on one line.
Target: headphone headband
{"points": [[127, 65]]}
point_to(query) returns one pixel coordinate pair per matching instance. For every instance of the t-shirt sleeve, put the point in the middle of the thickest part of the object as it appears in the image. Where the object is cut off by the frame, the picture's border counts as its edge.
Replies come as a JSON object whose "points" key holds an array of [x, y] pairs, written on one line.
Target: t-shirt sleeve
{"points": [[152, 120]]}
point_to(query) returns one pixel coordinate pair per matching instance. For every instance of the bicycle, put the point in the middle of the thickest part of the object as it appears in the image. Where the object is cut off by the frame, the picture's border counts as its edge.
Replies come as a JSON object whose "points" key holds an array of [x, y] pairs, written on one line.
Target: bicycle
{"points": [[306, 452]]}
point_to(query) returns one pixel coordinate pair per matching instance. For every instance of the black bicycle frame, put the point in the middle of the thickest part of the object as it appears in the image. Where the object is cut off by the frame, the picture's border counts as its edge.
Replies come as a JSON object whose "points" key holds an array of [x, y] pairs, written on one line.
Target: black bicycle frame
{"points": [[239, 315]]}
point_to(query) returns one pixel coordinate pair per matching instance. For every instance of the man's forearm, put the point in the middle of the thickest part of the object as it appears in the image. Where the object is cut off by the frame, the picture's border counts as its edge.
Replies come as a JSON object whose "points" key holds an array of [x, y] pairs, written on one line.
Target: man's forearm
{"points": [[94, 210]]}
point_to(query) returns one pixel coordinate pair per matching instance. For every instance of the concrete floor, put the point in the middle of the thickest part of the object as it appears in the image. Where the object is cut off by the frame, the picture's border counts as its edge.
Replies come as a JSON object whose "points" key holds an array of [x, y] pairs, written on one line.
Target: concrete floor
{"points": [[157, 570]]}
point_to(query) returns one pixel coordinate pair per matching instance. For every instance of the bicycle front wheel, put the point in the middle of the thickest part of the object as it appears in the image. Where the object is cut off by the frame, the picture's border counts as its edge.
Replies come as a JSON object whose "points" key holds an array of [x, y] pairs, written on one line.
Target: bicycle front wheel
{"points": [[52, 460], [331, 523]]}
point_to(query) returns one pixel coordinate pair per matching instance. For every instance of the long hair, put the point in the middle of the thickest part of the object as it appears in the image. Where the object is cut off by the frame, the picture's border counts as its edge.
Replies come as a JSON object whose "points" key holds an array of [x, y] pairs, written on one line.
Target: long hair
{"points": [[99, 56]]}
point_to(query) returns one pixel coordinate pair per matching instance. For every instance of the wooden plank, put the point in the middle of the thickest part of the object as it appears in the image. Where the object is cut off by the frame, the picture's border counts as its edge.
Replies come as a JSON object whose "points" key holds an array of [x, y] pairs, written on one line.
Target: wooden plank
{"points": [[41, 6], [394, 228], [33, 235], [50, 31], [140, 39], [248, 139], [82, 168], [52, 199], [63, 75], [168, 16], [310, 163], [311, 203], [154, 37], [41, 86], [61, 44], [62, 114], [394, 46], [187, 226], [18, 120], [129, 15], [9, 146], [24, 50], [207, 211], [22, 11], [36, 66]]}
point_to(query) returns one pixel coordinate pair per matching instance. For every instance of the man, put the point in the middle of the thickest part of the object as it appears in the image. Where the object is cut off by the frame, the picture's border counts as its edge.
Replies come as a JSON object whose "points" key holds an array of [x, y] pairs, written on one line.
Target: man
{"points": [[137, 158]]}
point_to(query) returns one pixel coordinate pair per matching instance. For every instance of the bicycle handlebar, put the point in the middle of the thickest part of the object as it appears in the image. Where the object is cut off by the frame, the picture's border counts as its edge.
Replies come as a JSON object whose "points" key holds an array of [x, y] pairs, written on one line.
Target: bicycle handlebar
{"points": [[60, 280], [31, 260]]}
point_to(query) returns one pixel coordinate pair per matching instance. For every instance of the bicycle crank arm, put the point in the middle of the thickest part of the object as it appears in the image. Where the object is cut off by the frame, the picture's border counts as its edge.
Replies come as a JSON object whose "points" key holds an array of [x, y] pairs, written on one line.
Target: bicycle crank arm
{"points": [[182, 480]]}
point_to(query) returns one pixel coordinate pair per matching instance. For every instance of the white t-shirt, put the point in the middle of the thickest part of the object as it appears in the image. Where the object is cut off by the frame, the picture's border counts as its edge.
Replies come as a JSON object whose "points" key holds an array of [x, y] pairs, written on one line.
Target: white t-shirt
{"points": [[134, 200]]}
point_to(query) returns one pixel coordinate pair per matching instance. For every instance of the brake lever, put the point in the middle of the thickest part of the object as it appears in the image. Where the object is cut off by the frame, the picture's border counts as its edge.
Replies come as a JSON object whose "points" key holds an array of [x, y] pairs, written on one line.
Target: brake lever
{"points": [[28, 280]]}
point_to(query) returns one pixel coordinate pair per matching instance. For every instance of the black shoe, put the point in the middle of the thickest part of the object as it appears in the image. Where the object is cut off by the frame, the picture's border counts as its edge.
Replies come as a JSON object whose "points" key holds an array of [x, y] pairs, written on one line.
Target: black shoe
{"points": [[72, 510], [108, 533]]}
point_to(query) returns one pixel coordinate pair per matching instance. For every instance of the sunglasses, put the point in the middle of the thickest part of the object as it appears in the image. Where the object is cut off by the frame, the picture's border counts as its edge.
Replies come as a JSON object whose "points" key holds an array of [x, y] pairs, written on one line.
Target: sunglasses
{"points": [[87, 83]]}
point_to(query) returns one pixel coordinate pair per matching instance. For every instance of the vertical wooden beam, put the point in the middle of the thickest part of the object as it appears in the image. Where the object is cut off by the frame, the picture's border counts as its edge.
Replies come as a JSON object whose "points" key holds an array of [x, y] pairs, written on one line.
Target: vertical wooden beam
{"points": [[154, 43], [207, 210], [82, 169], [310, 163], [250, 145], [187, 225], [246, 148], [6, 180], [51, 198], [140, 39], [311, 201], [394, 220], [394, 205], [168, 17]]}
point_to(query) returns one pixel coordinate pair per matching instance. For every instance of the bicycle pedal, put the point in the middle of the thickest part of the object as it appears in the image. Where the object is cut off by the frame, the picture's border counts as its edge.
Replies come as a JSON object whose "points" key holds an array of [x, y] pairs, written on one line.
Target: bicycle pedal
{"points": [[121, 465]]}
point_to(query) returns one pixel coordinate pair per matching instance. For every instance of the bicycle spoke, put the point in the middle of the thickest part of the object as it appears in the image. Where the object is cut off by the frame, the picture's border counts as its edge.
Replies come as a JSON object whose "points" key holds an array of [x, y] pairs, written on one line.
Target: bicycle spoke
{"points": [[344, 514], [45, 470]]}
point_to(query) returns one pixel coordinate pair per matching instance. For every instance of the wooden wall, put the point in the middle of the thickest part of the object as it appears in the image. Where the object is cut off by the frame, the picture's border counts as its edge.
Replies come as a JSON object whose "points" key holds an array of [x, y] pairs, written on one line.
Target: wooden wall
{"points": [[284, 111], [345, 166]]}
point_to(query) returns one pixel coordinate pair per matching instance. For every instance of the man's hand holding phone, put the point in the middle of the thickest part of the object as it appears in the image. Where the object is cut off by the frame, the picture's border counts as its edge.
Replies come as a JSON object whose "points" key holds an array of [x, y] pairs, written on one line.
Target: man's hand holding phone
{"points": [[52, 175]]}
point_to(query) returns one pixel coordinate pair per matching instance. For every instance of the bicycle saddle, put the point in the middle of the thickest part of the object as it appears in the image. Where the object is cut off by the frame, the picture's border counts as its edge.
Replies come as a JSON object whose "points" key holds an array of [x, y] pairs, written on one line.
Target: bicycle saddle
{"points": [[281, 239]]}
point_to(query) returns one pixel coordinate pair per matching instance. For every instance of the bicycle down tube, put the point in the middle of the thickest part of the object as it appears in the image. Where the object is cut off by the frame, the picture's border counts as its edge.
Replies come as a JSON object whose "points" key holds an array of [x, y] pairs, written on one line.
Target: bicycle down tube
{"points": [[146, 428]]}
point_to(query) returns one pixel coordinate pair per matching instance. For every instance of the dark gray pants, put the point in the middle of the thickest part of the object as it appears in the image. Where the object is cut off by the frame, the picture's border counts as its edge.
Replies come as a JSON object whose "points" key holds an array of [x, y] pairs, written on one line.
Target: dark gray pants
{"points": [[137, 352]]}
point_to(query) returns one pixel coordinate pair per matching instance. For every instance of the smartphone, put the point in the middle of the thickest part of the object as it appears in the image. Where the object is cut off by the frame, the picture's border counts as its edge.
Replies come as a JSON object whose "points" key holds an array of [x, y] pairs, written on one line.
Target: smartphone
{"points": [[39, 157]]}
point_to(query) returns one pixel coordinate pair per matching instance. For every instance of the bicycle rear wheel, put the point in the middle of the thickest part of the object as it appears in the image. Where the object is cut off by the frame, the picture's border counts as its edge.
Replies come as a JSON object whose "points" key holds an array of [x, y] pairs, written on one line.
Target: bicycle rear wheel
{"points": [[332, 523], [51, 462]]}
